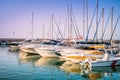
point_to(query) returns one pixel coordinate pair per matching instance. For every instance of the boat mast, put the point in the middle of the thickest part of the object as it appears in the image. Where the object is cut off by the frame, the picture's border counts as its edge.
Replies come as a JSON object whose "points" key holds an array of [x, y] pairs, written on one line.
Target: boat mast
{"points": [[43, 32], [68, 23], [114, 28], [71, 22], [87, 13], [75, 25], [106, 25], [102, 20], [52, 27], [32, 24], [83, 18], [97, 19], [86, 39], [50, 31], [57, 27], [65, 31], [111, 22]]}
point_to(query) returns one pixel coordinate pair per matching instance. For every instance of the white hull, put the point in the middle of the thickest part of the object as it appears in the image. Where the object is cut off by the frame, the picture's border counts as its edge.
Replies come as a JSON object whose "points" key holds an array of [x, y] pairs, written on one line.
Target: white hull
{"points": [[73, 50], [14, 48], [28, 48], [24, 57], [105, 63], [77, 55], [108, 60], [46, 52], [78, 58]]}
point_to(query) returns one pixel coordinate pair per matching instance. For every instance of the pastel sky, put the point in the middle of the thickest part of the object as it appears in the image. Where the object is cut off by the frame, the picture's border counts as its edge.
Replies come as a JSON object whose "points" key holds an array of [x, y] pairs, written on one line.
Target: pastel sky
{"points": [[16, 17]]}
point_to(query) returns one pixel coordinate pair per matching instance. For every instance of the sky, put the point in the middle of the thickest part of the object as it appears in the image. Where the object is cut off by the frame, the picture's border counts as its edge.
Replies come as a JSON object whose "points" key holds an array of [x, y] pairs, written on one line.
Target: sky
{"points": [[16, 18]]}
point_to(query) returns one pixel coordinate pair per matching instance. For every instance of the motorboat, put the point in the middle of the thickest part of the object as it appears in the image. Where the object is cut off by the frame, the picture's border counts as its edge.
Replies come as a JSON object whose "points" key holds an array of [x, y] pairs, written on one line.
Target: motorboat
{"points": [[47, 51], [29, 48], [14, 47], [108, 60], [77, 55]]}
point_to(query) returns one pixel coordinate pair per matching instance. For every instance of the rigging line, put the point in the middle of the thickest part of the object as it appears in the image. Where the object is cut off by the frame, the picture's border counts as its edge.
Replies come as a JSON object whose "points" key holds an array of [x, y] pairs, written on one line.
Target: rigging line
{"points": [[114, 27], [68, 15], [90, 24], [71, 25], [58, 27], [83, 18], [106, 26], [75, 29], [55, 33], [65, 32], [73, 22], [77, 32], [97, 27]]}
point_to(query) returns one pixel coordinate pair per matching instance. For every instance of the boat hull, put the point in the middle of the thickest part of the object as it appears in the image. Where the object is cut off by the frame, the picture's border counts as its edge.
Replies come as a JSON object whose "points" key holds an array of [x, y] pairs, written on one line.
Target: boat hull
{"points": [[46, 52], [14, 48], [106, 63], [77, 55], [28, 50]]}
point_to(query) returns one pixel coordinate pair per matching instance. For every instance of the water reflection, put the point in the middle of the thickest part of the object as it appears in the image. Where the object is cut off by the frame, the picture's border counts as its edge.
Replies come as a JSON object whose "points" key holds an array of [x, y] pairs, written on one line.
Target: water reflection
{"points": [[44, 61], [106, 69], [39, 61], [73, 68], [70, 67], [20, 63], [108, 73], [25, 57], [95, 73]]}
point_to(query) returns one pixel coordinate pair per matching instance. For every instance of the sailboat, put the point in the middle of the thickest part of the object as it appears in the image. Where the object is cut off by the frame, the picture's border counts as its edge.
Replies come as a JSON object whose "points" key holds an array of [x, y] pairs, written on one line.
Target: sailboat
{"points": [[29, 47]]}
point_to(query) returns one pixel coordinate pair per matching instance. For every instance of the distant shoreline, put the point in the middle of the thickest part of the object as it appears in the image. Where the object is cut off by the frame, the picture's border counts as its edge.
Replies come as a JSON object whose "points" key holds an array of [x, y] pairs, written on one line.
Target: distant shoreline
{"points": [[22, 39], [12, 39]]}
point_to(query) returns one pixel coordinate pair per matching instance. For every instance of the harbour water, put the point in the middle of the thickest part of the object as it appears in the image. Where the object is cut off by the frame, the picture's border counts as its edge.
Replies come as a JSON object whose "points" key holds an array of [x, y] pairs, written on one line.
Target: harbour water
{"points": [[17, 66]]}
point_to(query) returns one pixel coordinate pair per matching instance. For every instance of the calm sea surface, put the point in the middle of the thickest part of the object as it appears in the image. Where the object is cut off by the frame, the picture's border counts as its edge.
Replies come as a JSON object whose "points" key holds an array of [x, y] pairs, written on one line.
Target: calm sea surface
{"points": [[18, 66]]}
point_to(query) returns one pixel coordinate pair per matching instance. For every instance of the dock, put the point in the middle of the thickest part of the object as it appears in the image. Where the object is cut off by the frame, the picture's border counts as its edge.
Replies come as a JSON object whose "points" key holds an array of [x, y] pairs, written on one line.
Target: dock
{"points": [[8, 40]]}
